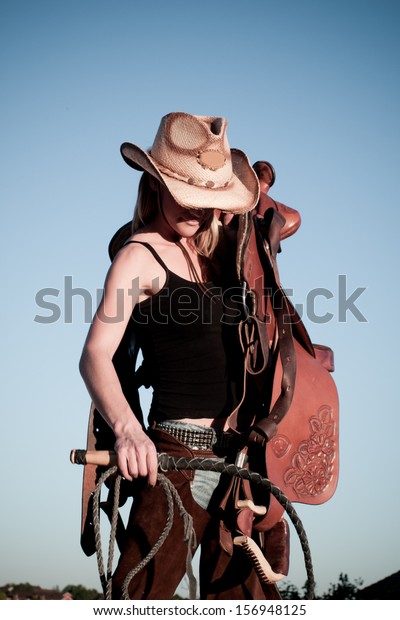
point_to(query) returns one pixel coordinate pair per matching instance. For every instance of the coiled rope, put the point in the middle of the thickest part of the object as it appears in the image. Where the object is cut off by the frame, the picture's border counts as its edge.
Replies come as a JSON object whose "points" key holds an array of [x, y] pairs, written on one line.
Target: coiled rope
{"points": [[170, 463]]}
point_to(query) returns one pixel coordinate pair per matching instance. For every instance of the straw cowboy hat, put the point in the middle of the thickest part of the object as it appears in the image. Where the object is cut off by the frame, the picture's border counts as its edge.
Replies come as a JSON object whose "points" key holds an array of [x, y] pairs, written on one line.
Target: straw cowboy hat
{"points": [[191, 156]]}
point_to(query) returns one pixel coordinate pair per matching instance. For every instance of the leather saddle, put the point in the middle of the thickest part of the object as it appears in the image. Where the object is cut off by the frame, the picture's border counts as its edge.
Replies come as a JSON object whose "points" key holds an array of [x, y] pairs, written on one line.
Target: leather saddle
{"points": [[292, 436]]}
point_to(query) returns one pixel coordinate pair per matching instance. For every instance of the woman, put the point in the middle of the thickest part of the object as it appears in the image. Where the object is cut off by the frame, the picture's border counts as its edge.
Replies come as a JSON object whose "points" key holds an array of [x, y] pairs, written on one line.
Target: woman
{"points": [[165, 278]]}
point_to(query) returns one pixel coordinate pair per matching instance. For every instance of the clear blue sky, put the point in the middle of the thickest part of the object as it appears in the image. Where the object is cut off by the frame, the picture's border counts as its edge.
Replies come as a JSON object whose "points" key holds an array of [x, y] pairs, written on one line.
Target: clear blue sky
{"points": [[311, 86]]}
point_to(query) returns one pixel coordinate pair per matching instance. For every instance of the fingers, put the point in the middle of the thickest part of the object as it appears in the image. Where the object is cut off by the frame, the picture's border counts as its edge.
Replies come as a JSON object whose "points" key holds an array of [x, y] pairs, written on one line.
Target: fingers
{"points": [[152, 466], [137, 459], [127, 465], [147, 463]]}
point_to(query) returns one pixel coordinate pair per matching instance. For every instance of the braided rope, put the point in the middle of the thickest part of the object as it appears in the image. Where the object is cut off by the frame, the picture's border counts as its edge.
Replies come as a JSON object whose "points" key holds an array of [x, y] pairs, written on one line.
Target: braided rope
{"points": [[105, 579], [170, 517], [111, 545], [172, 496], [168, 463], [189, 537]]}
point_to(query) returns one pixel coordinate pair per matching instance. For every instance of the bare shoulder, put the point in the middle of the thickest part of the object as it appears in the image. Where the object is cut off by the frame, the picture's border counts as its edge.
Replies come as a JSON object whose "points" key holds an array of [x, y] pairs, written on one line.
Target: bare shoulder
{"points": [[135, 260], [134, 251]]}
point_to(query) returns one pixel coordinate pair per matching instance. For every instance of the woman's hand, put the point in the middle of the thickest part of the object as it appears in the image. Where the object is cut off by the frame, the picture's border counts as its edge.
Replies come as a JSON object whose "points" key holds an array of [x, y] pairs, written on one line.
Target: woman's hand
{"points": [[137, 456]]}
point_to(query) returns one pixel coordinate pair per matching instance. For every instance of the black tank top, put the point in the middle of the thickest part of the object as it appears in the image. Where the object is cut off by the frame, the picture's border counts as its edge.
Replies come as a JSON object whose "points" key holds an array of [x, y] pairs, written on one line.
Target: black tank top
{"points": [[182, 335]]}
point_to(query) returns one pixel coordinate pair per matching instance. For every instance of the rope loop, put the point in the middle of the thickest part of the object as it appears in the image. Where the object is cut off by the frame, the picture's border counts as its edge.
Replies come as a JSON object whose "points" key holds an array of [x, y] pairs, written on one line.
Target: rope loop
{"points": [[169, 463]]}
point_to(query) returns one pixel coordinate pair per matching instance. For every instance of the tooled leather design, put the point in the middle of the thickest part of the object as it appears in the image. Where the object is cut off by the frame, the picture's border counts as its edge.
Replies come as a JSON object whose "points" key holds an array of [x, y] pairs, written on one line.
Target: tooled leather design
{"points": [[312, 465]]}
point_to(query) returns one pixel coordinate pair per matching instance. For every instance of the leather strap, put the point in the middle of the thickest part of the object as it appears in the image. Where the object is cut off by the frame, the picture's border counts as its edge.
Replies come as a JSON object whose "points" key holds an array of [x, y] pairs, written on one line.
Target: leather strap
{"points": [[254, 342], [265, 233], [266, 428]]}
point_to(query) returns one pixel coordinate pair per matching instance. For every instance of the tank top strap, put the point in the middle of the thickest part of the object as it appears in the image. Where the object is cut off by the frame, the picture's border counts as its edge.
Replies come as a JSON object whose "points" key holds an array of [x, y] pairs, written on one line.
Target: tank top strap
{"points": [[151, 250]]}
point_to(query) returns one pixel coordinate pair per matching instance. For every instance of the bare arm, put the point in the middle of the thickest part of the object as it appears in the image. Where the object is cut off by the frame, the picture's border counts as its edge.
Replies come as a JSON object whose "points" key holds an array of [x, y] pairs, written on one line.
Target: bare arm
{"points": [[136, 453]]}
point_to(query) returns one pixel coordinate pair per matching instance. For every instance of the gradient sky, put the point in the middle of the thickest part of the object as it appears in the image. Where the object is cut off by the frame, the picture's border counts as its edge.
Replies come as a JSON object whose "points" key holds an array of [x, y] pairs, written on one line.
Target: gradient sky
{"points": [[313, 87]]}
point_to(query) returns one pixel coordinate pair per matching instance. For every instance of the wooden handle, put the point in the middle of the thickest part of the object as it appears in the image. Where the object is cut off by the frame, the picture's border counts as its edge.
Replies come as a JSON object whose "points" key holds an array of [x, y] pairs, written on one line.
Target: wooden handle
{"points": [[108, 458]]}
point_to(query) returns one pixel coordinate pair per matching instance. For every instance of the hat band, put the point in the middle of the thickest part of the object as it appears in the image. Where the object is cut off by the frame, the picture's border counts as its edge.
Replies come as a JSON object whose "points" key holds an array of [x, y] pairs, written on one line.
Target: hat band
{"points": [[192, 181]]}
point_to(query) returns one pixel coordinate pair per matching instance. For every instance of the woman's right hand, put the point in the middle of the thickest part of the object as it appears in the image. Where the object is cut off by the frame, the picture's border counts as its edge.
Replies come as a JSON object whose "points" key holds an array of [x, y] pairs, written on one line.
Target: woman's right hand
{"points": [[137, 456]]}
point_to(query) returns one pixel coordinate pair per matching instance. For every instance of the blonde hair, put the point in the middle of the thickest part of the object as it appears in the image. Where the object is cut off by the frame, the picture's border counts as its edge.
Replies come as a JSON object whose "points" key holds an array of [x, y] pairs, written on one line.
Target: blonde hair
{"points": [[146, 204], [205, 239]]}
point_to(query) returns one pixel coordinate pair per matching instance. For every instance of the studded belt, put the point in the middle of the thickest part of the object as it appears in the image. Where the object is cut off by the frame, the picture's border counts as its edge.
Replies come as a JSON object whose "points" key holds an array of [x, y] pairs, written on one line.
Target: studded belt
{"points": [[204, 439]]}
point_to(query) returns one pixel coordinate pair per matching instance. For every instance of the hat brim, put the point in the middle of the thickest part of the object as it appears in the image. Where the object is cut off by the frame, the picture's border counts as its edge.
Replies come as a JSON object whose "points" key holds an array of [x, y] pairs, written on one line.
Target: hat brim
{"points": [[239, 196]]}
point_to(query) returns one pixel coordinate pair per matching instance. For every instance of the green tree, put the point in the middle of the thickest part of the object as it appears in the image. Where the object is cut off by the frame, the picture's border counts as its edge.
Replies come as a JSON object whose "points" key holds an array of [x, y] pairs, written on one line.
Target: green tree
{"points": [[344, 590], [80, 593], [289, 592]]}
